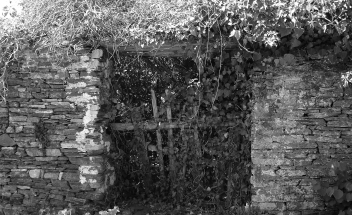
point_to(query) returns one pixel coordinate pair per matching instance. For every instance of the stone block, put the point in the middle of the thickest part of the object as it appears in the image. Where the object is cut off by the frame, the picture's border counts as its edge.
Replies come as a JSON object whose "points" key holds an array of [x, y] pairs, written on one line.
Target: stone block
{"points": [[35, 173], [290, 172], [340, 123], [312, 122], [56, 137], [45, 159], [34, 152], [21, 181], [33, 119], [6, 140], [22, 111], [343, 103], [93, 160], [19, 174], [71, 176], [53, 152], [304, 205], [51, 175], [42, 111], [4, 181], [272, 161], [8, 151], [18, 118], [10, 130], [97, 53], [56, 196], [327, 139], [60, 183]]}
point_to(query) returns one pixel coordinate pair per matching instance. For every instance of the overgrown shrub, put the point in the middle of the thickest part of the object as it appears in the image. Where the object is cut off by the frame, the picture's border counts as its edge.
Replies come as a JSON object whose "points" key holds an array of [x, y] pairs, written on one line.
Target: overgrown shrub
{"points": [[338, 195]]}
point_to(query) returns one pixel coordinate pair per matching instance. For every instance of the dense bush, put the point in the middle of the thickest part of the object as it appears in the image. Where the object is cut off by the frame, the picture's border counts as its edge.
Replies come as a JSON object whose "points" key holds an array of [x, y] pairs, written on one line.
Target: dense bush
{"points": [[338, 195]]}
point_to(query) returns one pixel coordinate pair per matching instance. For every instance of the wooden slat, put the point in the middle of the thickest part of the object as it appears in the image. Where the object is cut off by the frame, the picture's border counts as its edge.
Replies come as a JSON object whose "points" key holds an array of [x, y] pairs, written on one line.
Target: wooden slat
{"points": [[172, 166], [167, 125], [196, 138], [158, 135], [168, 49], [185, 142], [143, 149]]}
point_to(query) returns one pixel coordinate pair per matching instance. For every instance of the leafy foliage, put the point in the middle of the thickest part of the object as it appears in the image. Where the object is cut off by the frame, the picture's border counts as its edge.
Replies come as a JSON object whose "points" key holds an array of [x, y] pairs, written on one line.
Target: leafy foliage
{"points": [[41, 133], [339, 194], [261, 28]]}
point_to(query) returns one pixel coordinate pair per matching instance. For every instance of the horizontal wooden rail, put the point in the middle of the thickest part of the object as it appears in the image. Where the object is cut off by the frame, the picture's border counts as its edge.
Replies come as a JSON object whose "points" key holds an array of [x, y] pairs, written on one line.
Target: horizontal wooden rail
{"points": [[164, 125], [179, 49]]}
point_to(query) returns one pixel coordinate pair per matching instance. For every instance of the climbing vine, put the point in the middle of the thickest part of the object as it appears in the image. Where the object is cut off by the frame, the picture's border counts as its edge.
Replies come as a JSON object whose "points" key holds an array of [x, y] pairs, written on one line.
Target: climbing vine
{"points": [[41, 133], [264, 30]]}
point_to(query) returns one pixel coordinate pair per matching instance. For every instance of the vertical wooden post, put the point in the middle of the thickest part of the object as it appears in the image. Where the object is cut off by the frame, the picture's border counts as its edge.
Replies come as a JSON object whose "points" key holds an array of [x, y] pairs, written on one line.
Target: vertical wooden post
{"points": [[185, 142], [196, 137], [143, 147], [172, 166], [158, 135]]}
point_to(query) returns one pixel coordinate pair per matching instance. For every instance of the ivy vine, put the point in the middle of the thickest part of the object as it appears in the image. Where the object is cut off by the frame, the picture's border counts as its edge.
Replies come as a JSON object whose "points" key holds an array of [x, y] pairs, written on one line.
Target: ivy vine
{"points": [[41, 133]]}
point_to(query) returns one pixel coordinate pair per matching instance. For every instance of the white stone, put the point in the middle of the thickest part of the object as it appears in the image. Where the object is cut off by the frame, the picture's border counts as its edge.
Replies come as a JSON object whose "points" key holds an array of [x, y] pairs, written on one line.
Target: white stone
{"points": [[90, 170], [97, 53], [35, 173]]}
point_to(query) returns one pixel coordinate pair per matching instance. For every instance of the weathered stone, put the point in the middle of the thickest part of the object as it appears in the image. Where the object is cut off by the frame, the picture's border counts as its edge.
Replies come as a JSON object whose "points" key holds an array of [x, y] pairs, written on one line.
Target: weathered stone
{"points": [[18, 174], [34, 152], [318, 205], [327, 133], [51, 175], [56, 137], [290, 173], [4, 181], [6, 140], [10, 130], [46, 159], [24, 188], [8, 150], [93, 160], [18, 129], [58, 117], [340, 123], [322, 139], [35, 173], [33, 119], [18, 118], [272, 162], [320, 122], [60, 183], [53, 152], [44, 111], [342, 103], [37, 106], [71, 176]]}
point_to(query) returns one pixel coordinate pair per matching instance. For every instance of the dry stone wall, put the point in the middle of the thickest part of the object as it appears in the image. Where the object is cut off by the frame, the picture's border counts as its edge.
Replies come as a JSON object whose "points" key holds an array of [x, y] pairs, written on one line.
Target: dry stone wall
{"points": [[52, 132], [302, 121]]}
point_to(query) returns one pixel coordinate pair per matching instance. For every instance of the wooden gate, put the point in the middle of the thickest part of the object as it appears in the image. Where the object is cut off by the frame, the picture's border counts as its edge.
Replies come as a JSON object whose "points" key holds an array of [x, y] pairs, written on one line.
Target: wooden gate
{"points": [[138, 127]]}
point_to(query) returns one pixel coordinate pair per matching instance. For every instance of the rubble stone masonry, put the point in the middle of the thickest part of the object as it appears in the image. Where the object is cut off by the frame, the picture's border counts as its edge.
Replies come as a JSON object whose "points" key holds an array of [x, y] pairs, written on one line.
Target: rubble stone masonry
{"points": [[302, 121], [67, 99]]}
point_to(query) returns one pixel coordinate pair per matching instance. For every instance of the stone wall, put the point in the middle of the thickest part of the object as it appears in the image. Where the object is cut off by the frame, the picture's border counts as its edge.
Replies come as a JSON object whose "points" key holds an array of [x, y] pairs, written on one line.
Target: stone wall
{"points": [[52, 139], [301, 123]]}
